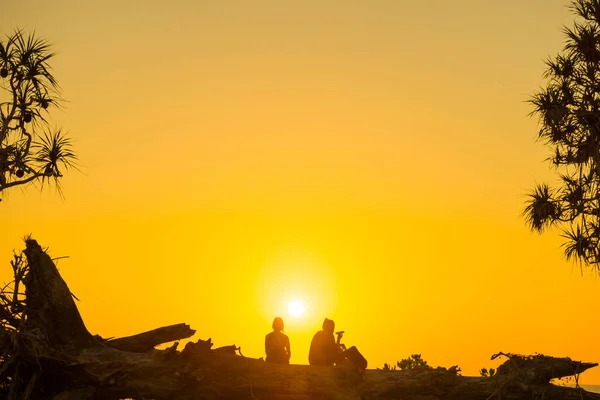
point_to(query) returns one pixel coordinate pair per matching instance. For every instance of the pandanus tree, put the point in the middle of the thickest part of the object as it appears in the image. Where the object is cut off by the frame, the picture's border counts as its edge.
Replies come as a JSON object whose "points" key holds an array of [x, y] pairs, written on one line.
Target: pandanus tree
{"points": [[569, 111], [30, 151]]}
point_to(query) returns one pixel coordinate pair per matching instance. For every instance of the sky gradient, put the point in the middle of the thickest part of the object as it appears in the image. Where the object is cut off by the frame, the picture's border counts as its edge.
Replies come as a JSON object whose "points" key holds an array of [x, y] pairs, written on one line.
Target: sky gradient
{"points": [[368, 157]]}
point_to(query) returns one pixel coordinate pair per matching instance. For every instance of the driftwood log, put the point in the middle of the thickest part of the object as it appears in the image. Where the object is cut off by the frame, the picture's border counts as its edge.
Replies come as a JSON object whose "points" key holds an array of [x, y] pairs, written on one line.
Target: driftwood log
{"points": [[48, 353], [146, 341]]}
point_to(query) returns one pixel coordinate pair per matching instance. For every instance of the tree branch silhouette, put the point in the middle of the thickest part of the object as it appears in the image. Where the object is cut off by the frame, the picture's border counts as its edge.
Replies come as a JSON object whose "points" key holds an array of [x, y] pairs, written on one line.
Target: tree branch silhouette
{"points": [[26, 154]]}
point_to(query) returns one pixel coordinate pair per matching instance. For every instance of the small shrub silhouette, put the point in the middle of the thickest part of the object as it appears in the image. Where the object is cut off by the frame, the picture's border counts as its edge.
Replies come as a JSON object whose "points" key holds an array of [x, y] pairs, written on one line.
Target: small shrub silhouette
{"points": [[416, 362], [488, 373]]}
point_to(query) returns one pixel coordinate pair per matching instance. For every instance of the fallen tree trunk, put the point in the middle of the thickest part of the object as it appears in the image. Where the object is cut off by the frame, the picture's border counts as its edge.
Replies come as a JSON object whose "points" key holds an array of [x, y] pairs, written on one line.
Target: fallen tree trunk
{"points": [[540, 368], [146, 341], [53, 356], [198, 374]]}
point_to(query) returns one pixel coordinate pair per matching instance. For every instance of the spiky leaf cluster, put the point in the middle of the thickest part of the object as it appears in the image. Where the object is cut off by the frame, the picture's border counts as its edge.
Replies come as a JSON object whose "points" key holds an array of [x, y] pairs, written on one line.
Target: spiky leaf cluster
{"points": [[29, 150], [568, 108]]}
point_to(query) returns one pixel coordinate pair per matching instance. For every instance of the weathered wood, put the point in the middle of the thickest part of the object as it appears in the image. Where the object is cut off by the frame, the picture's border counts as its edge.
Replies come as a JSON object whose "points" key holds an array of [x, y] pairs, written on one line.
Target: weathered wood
{"points": [[146, 341], [165, 375], [540, 368], [51, 311], [85, 393]]}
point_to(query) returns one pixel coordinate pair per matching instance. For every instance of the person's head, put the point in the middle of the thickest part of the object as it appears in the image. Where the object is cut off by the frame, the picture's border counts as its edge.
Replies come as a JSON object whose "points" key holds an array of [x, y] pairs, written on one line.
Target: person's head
{"points": [[278, 324], [328, 326]]}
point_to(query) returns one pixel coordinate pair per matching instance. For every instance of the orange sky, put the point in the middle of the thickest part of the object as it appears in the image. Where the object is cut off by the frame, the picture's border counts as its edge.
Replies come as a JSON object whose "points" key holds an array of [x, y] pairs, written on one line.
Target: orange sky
{"points": [[370, 158]]}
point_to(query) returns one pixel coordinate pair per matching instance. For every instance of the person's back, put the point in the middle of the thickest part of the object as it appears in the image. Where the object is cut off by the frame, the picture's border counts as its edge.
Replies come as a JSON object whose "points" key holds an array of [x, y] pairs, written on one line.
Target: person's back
{"points": [[323, 348], [277, 344]]}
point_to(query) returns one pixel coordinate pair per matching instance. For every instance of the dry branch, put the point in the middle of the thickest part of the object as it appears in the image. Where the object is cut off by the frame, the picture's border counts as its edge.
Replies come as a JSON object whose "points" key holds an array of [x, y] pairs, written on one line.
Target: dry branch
{"points": [[146, 341]]}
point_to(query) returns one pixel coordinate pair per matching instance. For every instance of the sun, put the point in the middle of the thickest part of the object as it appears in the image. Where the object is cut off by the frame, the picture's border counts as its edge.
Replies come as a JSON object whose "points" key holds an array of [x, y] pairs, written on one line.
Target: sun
{"points": [[296, 308]]}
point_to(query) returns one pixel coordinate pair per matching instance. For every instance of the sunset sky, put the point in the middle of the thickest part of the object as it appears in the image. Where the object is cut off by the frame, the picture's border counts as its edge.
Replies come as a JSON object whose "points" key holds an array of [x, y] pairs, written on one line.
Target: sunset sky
{"points": [[368, 158]]}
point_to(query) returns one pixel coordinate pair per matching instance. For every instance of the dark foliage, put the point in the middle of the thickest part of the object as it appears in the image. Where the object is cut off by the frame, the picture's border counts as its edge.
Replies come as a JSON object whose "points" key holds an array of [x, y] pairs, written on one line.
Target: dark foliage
{"points": [[569, 111], [30, 151]]}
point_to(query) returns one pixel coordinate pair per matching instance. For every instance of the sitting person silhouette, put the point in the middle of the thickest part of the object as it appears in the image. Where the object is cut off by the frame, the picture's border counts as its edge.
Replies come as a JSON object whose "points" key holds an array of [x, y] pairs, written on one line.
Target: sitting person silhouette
{"points": [[323, 348], [277, 344], [326, 351]]}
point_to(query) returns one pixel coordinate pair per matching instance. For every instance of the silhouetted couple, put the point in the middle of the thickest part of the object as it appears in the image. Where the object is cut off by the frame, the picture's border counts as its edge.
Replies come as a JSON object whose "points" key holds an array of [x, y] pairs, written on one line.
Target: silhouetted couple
{"points": [[324, 349]]}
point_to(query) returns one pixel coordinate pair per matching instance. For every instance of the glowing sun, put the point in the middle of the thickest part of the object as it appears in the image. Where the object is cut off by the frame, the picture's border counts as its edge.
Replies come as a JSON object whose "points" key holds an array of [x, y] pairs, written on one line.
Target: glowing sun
{"points": [[296, 308]]}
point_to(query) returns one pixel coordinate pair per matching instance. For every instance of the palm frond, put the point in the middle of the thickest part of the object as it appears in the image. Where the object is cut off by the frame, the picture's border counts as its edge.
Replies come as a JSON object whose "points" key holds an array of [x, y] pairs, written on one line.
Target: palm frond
{"points": [[560, 66], [53, 151], [573, 193], [584, 8], [584, 40], [550, 105], [541, 210], [579, 245]]}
